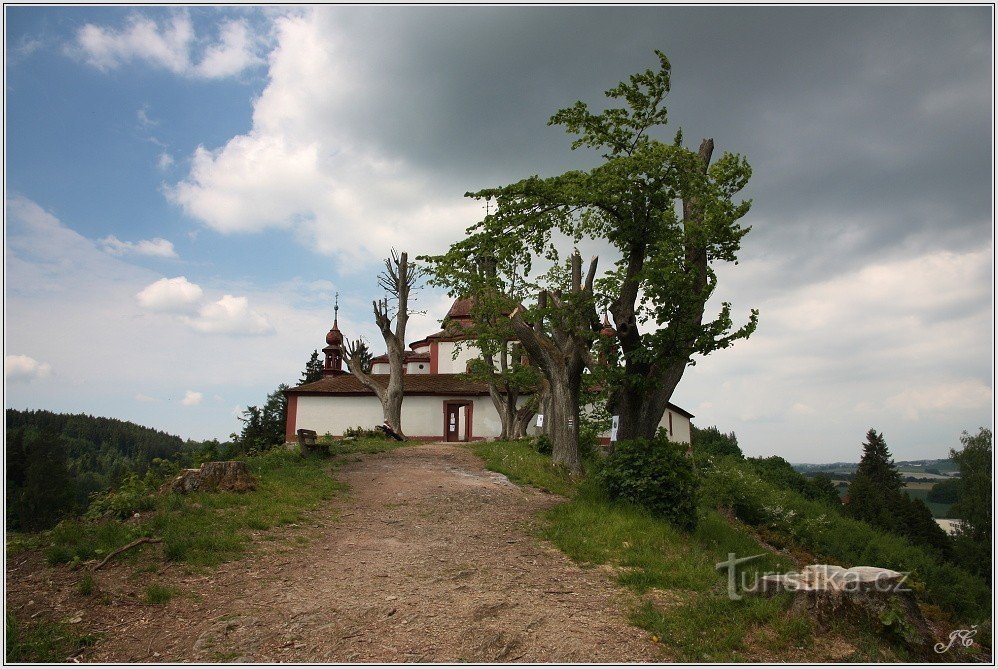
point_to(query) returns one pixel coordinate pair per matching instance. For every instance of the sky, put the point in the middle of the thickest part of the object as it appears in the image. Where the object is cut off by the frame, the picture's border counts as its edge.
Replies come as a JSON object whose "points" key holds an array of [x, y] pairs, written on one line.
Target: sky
{"points": [[186, 189]]}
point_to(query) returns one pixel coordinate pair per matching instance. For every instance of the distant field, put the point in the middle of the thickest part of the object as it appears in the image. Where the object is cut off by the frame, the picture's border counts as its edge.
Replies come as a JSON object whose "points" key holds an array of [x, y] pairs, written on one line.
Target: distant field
{"points": [[921, 491], [914, 490]]}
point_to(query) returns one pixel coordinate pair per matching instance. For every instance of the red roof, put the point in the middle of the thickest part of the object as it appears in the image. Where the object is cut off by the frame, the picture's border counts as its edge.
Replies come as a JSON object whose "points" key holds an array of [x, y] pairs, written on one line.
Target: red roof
{"points": [[414, 384], [410, 356]]}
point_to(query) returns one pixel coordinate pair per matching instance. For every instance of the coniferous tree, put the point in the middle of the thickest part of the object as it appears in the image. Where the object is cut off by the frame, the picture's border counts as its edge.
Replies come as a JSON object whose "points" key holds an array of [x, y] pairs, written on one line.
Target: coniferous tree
{"points": [[878, 465], [313, 369], [876, 496], [48, 492]]}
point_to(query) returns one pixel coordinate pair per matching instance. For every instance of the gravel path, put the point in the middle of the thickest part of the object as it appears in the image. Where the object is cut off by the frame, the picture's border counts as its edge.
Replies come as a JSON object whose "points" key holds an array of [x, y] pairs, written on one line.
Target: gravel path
{"points": [[428, 558]]}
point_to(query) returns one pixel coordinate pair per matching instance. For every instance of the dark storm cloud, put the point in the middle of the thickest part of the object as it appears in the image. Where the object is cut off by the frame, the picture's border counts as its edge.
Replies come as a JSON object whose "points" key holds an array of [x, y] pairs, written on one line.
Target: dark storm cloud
{"points": [[868, 129]]}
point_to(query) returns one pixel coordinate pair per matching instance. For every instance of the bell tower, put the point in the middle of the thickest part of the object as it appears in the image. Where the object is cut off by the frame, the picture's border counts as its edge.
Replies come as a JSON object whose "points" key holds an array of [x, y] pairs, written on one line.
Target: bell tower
{"points": [[334, 345]]}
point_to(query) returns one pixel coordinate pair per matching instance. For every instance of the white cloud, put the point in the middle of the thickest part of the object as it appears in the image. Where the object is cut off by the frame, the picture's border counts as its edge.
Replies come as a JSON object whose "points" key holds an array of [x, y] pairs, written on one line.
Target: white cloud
{"points": [[192, 398], [176, 295], [141, 397], [940, 397], [157, 247], [230, 315], [165, 161], [169, 46], [235, 52], [142, 113], [227, 315], [25, 368], [298, 169]]}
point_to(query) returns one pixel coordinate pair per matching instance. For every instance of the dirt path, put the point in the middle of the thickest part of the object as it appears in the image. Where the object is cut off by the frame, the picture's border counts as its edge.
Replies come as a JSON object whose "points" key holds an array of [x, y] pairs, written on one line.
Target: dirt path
{"points": [[428, 558]]}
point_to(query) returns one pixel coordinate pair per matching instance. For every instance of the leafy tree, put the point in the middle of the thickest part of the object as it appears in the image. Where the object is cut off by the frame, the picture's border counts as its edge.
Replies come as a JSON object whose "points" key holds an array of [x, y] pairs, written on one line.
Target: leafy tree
{"points": [[711, 441], [824, 489], [974, 505], [494, 290], [665, 274], [779, 472], [263, 427], [313, 369], [972, 544], [946, 492], [398, 280]]}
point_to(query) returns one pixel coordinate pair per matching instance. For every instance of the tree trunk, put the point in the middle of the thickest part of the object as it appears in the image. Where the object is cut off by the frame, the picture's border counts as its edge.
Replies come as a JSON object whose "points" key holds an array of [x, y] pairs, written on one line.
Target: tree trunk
{"points": [[642, 405], [562, 357], [564, 425]]}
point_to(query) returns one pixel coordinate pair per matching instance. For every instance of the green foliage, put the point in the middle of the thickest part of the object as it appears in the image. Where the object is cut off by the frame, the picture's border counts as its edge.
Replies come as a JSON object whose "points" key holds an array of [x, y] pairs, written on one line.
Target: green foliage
{"points": [[313, 369], [263, 427], [41, 489], [158, 594], [365, 433], [974, 505], [946, 492], [86, 585], [97, 453], [206, 528], [655, 474], [876, 496], [711, 441], [837, 539], [543, 444], [973, 541], [629, 200], [781, 473], [43, 641], [877, 466]]}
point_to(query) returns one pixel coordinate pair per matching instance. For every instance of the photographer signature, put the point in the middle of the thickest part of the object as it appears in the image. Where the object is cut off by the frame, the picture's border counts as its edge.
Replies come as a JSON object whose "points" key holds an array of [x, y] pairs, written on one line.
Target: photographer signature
{"points": [[966, 638]]}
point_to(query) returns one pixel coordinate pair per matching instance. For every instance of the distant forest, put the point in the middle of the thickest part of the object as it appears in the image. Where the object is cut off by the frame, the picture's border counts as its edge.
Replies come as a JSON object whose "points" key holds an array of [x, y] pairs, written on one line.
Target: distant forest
{"points": [[56, 462]]}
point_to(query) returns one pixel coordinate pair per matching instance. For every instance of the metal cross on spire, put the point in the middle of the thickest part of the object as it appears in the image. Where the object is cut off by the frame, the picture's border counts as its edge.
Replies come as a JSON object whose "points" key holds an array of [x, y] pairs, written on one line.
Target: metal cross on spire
{"points": [[336, 308]]}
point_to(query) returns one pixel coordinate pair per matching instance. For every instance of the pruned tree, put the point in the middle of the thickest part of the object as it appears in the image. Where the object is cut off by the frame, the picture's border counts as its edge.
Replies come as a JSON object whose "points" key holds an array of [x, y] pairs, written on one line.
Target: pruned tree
{"points": [[391, 315], [559, 341], [495, 289], [659, 287]]}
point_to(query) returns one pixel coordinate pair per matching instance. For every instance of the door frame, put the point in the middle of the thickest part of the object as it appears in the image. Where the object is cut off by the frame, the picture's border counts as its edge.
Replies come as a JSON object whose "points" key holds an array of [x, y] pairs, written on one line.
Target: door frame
{"points": [[469, 410]]}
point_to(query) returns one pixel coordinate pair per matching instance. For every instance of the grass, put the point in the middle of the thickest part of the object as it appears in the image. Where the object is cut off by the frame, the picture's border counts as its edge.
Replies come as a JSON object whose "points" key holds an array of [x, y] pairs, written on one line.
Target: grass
{"points": [[684, 603], [701, 624], [86, 585], [158, 594], [43, 640], [206, 529], [519, 462], [361, 445]]}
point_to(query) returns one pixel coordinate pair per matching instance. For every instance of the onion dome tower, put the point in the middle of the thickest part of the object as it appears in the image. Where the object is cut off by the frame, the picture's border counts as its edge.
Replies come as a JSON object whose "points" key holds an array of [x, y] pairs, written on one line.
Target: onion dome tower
{"points": [[334, 345], [608, 343]]}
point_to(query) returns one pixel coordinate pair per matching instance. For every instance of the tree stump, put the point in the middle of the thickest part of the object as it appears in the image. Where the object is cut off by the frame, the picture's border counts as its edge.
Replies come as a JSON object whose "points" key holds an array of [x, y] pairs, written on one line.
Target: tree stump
{"points": [[231, 476], [875, 595]]}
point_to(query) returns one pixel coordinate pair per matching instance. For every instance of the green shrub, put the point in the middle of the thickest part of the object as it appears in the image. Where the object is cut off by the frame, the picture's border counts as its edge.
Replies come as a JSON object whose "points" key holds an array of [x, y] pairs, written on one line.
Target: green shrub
{"points": [[543, 445], [86, 585], [833, 537], [132, 496], [654, 474], [364, 433]]}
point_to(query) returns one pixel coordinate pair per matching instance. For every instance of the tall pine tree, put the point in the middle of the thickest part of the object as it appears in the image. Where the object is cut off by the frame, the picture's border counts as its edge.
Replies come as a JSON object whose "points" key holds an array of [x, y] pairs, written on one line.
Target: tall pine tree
{"points": [[313, 369], [876, 495]]}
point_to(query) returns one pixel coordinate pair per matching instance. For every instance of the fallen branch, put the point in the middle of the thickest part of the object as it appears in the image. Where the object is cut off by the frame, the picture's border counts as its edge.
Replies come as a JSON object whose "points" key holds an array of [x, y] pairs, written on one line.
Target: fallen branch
{"points": [[143, 540]]}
